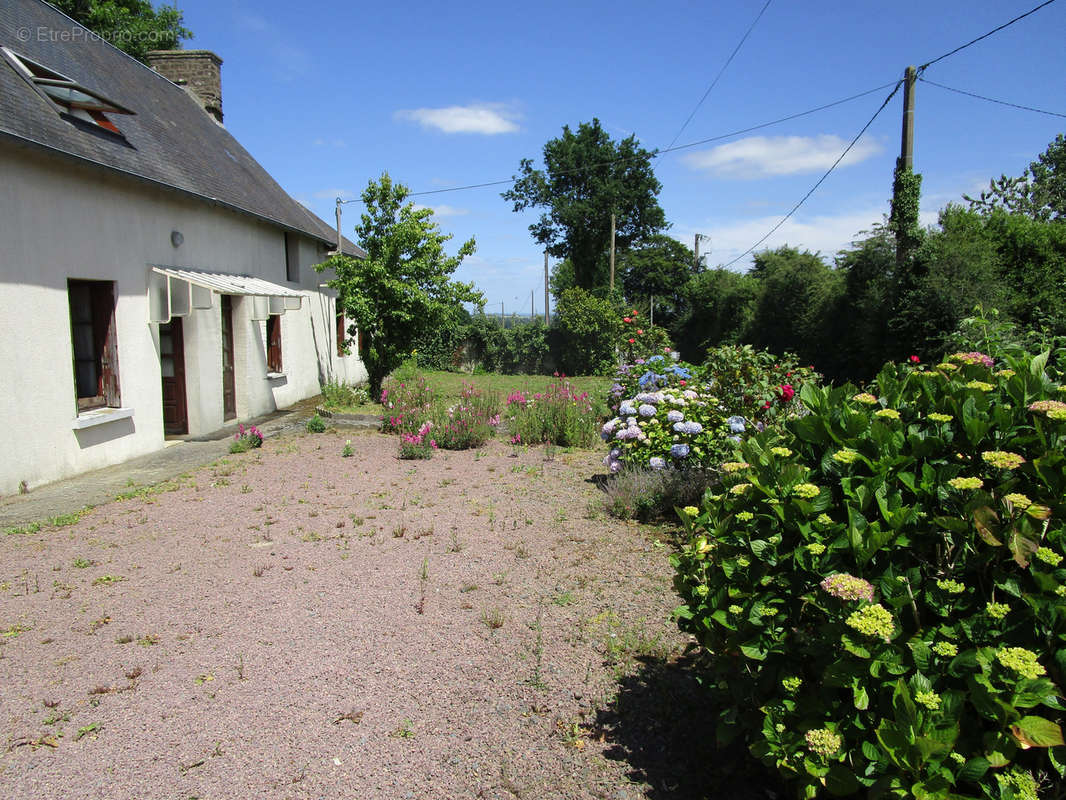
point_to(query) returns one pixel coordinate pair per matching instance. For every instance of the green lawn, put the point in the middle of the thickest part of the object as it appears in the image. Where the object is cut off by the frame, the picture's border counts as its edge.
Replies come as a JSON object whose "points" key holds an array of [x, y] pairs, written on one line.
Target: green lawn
{"points": [[446, 385]]}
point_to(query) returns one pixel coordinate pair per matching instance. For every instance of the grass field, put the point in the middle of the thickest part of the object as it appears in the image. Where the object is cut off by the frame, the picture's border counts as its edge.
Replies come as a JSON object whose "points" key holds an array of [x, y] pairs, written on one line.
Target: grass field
{"points": [[446, 385]]}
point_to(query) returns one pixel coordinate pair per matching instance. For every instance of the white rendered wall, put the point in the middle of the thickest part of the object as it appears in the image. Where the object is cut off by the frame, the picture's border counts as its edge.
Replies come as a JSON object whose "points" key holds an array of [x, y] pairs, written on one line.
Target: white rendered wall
{"points": [[60, 221]]}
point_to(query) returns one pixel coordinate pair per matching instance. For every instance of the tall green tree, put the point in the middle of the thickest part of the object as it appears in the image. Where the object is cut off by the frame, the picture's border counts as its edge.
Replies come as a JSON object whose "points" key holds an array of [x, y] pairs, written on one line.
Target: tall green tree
{"points": [[133, 26], [402, 290], [797, 290], [719, 306], [660, 268], [1039, 192], [587, 176]]}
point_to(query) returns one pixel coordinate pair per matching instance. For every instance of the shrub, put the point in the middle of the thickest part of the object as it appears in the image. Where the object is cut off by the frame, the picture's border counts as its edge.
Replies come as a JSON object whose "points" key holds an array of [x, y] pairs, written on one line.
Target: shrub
{"points": [[316, 424], [407, 404], [755, 384], [558, 415], [639, 340], [587, 328], [337, 394], [672, 420], [417, 445], [881, 585], [246, 439], [469, 423], [647, 494]]}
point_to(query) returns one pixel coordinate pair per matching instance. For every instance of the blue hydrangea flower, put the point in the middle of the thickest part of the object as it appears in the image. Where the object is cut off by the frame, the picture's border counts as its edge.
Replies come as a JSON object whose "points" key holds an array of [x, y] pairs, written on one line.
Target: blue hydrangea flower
{"points": [[736, 424], [656, 463], [679, 450], [626, 409], [675, 416], [649, 397], [646, 410], [691, 427], [680, 372], [655, 358]]}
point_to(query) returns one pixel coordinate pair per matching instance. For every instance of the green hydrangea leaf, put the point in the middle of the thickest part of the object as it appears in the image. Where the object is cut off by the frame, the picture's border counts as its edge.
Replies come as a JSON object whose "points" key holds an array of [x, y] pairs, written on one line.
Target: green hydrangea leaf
{"points": [[1037, 732]]}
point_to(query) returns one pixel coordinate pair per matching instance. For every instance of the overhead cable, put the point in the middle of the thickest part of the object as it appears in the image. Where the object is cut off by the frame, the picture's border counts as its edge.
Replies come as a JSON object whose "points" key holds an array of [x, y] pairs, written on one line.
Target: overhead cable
{"points": [[840, 158], [992, 99]]}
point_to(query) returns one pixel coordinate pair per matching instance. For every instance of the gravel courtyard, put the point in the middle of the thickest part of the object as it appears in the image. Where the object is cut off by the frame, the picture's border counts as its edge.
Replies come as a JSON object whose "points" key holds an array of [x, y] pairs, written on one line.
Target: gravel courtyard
{"points": [[290, 623]]}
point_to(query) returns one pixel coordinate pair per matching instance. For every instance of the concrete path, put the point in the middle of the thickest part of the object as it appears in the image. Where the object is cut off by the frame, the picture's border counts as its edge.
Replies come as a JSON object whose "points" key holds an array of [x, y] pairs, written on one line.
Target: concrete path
{"points": [[178, 457]]}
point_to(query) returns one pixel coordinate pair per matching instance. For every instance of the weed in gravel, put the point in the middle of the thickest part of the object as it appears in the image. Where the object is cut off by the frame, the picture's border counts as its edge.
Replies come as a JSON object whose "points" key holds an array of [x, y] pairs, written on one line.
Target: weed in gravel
{"points": [[15, 630], [399, 531], [92, 727], [455, 544], [134, 673], [521, 550], [124, 639], [82, 563], [351, 716], [96, 624], [246, 489], [148, 640], [56, 717], [260, 570], [101, 689], [563, 598], [468, 587], [423, 580], [108, 580], [203, 678], [536, 679], [32, 527], [493, 618], [499, 578], [404, 730]]}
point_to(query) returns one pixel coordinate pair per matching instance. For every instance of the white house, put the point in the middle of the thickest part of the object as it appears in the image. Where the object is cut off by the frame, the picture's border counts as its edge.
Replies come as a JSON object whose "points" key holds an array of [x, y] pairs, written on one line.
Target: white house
{"points": [[154, 279]]}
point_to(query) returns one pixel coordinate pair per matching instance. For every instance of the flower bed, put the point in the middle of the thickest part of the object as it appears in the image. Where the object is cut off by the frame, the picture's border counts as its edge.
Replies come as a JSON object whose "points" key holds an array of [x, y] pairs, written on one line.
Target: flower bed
{"points": [[559, 415]]}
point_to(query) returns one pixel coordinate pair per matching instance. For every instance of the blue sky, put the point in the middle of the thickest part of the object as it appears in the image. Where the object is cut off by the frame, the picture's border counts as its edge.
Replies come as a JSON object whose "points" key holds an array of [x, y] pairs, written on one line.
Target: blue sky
{"points": [[327, 96]]}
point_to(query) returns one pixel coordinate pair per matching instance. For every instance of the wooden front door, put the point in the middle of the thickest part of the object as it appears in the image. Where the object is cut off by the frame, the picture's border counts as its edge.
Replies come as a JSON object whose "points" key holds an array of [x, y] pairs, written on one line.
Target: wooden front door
{"points": [[172, 364], [229, 388]]}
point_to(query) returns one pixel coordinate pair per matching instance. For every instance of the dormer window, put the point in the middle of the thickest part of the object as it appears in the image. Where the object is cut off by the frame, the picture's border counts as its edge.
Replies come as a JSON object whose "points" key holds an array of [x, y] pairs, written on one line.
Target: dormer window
{"points": [[68, 96]]}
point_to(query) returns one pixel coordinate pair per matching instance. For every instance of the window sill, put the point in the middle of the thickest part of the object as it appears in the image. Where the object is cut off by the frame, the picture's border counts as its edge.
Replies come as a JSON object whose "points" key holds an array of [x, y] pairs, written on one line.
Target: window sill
{"points": [[274, 376], [100, 416]]}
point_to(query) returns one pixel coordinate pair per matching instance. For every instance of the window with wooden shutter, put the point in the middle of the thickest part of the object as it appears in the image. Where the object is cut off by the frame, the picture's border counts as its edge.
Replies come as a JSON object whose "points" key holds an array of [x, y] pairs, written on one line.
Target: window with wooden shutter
{"points": [[273, 332], [95, 343], [342, 333]]}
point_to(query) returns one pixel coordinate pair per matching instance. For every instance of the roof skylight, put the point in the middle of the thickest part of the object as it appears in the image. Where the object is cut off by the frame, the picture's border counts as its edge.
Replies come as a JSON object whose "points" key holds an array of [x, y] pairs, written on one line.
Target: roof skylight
{"points": [[66, 94]]}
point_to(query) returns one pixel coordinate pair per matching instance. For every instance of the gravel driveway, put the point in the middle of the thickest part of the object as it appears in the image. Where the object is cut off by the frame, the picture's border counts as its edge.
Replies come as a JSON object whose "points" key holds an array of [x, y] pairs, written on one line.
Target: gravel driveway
{"points": [[291, 623]]}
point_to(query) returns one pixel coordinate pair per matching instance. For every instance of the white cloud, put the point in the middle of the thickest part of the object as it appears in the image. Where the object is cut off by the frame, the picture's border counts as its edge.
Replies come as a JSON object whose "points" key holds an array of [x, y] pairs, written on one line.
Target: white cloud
{"points": [[486, 118], [765, 156], [445, 210], [821, 234]]}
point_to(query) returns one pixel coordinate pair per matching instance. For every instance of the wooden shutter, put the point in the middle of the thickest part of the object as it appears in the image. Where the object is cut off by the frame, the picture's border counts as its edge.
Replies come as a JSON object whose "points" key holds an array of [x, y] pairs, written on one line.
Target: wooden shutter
{"points": [[104, 323], [274, 343], [342, 332]]}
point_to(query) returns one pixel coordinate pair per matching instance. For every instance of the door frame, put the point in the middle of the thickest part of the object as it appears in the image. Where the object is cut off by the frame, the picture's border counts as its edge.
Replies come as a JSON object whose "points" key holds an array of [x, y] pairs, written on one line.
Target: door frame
{"points": [[180, 426]]}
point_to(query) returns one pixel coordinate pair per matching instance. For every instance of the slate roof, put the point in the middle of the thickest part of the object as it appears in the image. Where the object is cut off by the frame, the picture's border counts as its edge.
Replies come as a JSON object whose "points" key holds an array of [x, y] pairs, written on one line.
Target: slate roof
{"points": [[169, 140]]}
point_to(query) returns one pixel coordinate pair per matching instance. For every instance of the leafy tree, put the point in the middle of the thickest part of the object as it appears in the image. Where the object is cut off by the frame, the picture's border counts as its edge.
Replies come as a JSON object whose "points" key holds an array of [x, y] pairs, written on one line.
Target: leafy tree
{"points": [[401, 290], [796, 294], [719, 306], [133, 26], [587, 328], [1040, 191], [587, 177], [660, 268]]}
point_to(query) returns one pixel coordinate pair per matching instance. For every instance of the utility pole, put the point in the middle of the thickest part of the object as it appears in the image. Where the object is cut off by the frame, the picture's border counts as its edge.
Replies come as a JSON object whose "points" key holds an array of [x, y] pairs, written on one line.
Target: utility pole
{"points": [[906, 186], [696, 250], [612, 253], [503, 319], [545, 288], [532, 309], [339, 240], [906, 154]]}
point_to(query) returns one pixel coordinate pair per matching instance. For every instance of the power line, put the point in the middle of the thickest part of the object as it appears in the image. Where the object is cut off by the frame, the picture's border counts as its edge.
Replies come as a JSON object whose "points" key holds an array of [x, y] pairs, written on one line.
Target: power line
{"points": [[923, 67], [821, 179], [659, 153], [714, 83], [992, 99]]}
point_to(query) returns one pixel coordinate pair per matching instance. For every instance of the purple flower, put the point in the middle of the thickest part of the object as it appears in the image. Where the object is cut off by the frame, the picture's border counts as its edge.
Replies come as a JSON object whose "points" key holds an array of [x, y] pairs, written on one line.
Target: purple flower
{"points": [[646, 410], [736, 424], [626, 409], [656, 463], [675, 416], [679, 450]]}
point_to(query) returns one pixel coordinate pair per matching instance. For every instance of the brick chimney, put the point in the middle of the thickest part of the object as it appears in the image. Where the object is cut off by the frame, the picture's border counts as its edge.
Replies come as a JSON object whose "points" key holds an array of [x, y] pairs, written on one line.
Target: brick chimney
{"points": [[199, 71]]}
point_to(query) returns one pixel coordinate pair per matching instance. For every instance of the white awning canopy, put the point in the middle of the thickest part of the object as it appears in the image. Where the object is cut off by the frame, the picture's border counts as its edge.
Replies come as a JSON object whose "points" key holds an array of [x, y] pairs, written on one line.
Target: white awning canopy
{"points": [[174, 292]]}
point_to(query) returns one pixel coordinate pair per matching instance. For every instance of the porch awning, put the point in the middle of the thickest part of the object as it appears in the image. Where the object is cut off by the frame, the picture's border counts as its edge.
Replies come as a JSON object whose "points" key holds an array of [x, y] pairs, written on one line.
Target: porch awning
{"points": [[174, 292]]}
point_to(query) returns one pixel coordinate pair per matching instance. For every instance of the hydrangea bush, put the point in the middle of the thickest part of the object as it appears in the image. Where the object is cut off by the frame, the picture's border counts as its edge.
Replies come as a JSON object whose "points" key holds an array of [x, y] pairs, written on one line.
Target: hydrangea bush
{"points": [[880, 587]]}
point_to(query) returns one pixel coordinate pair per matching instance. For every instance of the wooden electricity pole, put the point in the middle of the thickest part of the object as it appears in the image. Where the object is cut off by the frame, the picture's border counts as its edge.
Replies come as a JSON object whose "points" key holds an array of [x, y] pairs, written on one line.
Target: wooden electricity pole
{"points": [[696, 249], [612, 253], [906, 154], [545, 288]]}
